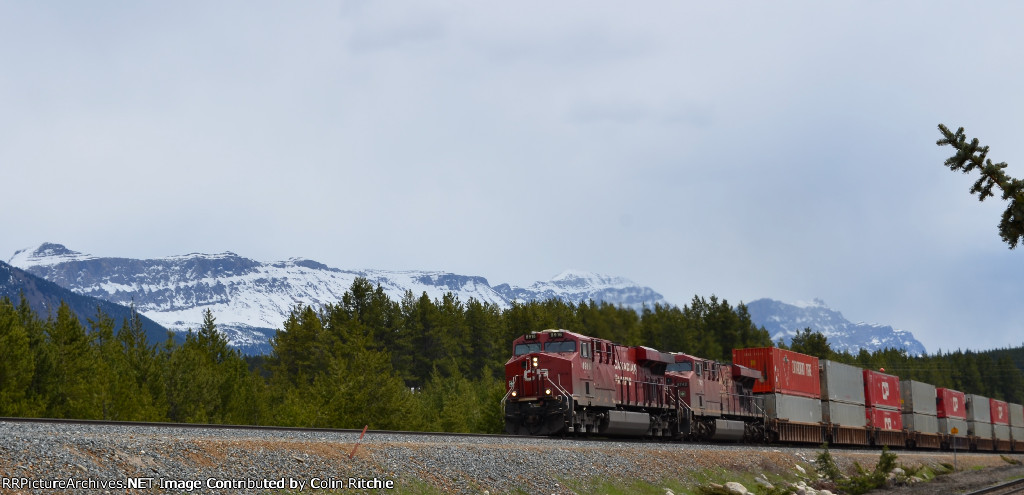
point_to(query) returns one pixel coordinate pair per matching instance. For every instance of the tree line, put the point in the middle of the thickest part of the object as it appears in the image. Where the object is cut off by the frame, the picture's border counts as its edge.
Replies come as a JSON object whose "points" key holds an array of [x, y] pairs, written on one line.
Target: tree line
{"points": [[414, 364]]}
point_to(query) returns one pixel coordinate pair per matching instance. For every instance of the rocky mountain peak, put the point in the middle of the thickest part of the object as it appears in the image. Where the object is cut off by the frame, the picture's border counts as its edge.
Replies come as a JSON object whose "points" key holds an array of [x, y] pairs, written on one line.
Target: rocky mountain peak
{"points": [[785, 320]]}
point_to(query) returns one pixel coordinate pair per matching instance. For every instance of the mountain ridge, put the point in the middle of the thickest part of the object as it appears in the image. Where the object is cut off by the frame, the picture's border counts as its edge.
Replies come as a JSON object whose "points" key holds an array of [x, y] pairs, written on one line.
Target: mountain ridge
{"points": [[251, 299], [784, 320]]}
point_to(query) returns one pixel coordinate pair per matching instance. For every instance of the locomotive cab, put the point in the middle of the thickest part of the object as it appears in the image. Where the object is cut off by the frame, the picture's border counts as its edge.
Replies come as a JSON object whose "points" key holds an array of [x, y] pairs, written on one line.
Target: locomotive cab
{"points": [[540, 379]]}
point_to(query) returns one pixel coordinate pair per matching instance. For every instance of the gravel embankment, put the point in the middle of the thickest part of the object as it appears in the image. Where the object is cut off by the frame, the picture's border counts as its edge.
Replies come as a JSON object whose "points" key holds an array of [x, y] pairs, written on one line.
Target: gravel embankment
{"points": [[95, 454]]}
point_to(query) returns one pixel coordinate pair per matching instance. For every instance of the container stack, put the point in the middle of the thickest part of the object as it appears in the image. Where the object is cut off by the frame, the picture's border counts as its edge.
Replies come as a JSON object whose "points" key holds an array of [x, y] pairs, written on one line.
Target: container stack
{"points": [[979, 420], [789, 383], [882, 400], [920, 412], [951, 408], [842, 394], [882, 408], [842, 402], [791, 390], [1017, 426], [1000, 414]]}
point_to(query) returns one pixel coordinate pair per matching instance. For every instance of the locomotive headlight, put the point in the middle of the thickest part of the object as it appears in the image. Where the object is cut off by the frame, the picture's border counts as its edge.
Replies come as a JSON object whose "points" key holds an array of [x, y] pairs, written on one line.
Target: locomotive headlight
{"points": [[535, 360], [514, 393], [547, 391]]}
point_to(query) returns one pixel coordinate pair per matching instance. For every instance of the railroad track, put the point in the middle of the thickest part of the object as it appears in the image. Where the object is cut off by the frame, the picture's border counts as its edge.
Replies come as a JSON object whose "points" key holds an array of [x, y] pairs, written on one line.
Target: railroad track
{"points": [[554, 439], [200, 426], [1008, 488]]}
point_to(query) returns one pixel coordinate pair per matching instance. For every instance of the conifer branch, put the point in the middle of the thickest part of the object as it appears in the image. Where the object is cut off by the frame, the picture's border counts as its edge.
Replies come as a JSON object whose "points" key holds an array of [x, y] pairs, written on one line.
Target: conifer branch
{"points": [[970, 156]]}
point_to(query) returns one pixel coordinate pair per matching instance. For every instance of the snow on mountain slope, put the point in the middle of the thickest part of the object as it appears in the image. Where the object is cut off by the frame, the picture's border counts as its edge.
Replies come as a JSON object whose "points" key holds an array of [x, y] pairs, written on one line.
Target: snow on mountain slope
{"points": [[251, 299], [783, 321], [575, 286]]}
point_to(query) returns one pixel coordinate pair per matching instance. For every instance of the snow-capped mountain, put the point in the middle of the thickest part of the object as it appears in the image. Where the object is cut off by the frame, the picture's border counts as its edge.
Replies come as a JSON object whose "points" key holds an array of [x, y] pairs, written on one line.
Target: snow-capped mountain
{"points": [[251, 299], [783, 321], [575, 286]]}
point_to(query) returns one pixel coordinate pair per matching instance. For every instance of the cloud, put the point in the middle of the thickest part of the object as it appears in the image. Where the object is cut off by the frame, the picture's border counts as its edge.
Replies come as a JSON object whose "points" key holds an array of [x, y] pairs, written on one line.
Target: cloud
{"points": [[782, 151]]}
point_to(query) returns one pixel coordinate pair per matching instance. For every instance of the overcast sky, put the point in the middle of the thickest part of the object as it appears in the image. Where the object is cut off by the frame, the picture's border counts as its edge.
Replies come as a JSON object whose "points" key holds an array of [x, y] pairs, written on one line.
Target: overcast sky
{"points": [[770, 149]]}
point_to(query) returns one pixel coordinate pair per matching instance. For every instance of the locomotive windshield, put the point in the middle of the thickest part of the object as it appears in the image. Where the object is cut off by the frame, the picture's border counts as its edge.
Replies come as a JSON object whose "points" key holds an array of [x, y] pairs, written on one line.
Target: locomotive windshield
{"points": [[683, 366], [527, 348], [564, 346]]}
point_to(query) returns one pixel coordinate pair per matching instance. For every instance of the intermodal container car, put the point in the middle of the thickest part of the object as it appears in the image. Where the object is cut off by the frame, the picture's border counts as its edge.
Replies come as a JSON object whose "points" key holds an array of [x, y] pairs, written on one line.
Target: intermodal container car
{"points": [[782, 371]]}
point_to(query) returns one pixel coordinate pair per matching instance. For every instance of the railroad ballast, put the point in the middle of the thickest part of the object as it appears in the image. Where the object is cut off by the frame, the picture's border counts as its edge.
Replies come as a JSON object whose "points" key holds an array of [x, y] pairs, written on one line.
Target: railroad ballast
{"points": [[565, 383]]}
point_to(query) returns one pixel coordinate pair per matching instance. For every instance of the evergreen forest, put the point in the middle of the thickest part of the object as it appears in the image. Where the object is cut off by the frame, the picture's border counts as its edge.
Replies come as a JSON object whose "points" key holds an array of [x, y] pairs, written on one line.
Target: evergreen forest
{"points": [[415, 364]]}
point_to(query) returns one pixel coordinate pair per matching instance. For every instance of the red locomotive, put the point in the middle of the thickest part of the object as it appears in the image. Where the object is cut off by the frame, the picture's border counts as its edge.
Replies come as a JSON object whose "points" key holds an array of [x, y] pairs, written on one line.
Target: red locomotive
{"points": [[562, 383]]}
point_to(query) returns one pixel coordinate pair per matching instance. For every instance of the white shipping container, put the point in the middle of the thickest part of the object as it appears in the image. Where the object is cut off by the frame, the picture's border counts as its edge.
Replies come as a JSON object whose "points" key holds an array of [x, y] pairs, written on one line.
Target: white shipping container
{"points": [[917, 397], [921, 423], [841, 382], [1017, 415], [979, 429], [978, 408], [792, 408], [1001, 432], [1017, 433], [844, 414], [946, 425]]}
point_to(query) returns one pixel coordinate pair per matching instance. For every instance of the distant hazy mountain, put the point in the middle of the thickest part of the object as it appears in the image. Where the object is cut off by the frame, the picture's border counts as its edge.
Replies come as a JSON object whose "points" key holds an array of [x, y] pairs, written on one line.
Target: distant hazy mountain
{"points": [[251, 299], [44, 298], [783, 321]]}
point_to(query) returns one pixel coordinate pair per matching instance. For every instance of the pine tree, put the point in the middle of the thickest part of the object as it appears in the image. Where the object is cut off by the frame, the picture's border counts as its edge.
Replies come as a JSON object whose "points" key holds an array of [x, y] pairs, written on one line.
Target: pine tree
{"points": [[72, 386], [811, 343], [17, 363], [141, 365]]}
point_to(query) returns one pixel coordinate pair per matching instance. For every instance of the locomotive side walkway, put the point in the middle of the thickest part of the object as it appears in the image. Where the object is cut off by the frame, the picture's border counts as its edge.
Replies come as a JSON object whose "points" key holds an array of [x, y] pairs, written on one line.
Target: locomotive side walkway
{"points": [[99, 458]]}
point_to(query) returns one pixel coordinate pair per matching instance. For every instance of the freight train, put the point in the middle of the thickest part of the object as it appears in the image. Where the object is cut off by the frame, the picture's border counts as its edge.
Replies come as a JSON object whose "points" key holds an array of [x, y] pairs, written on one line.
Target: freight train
{"points": [[565, 383]]}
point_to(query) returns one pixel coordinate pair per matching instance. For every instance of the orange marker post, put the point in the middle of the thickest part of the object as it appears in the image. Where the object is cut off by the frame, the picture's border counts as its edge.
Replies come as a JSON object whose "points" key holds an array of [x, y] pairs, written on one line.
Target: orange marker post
{"points": [[357, 442]]}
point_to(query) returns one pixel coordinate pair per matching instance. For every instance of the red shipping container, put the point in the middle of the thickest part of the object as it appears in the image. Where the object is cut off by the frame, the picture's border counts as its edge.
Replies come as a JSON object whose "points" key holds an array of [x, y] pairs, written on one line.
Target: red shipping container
{"points": [[884, 419], [881, 390], [1000, 412], [951, 403], [782, 371]]}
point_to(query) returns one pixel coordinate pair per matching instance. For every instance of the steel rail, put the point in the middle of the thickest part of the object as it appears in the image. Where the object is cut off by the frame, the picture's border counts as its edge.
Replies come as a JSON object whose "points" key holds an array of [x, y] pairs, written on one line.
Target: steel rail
{"points": [[208, 426], [1008, 488]]}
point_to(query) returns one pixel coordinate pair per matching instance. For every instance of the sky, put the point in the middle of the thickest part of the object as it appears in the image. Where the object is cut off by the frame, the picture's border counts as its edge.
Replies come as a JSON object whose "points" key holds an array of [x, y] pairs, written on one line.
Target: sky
{"points": [[746, 150]]}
